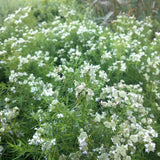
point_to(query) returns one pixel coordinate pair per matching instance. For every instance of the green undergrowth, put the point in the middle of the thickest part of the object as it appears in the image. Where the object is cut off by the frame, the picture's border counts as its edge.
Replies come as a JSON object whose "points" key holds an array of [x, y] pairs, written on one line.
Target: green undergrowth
{"points": [[72, 89]]}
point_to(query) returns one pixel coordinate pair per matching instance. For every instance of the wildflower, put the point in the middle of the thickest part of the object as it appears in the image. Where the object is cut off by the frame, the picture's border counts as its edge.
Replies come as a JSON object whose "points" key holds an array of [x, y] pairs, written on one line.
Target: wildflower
{"points": [[127, 158], [7, 99], [89, 94], [48, 92], [134, 138], [60, 115], [82, 141], [97, 118], [150, 147], [158, 154], [80, 88]]}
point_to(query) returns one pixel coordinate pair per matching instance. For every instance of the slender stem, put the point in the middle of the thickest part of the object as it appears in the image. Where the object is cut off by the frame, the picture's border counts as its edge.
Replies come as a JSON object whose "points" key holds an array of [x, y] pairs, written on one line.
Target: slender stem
{"points": [[115, 8], [138, 8]]}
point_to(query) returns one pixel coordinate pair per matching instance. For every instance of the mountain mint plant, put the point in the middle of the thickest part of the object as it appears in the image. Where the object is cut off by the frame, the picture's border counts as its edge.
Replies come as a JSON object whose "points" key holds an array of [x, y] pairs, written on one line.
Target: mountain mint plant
{"points": [[72, 89]]}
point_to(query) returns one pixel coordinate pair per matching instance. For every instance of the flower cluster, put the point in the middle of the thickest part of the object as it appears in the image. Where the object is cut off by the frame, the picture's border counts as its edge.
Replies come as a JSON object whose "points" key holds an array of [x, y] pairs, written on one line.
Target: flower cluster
{"points": [[7, 115], [81, 90], [46, 144], [82, 142]]}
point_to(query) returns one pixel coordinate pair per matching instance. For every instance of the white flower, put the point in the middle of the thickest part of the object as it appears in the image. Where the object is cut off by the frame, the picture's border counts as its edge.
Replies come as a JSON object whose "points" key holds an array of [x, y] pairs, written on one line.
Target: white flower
{"points": [[60, 115], [116, 139], [134, 138], [149, 121], [90, 94], [36, 140], [70, 90], [123, 67], [103, 156], [150, 147], [2, 52], [46, 145], [103, 75], [48, 92], [147, 138], [143, 120], [80, 88], [111, 124], [104, 104], [105, 56], [121, 150], [158, 154], [97, 118], [53, 142], [127, 158], [82, 141], [7, 99], [122, 94]]}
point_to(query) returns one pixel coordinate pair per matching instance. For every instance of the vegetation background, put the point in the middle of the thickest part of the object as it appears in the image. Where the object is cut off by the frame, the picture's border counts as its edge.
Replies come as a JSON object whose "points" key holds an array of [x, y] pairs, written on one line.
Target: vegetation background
{"points": [[103, 13], [102, 10]]}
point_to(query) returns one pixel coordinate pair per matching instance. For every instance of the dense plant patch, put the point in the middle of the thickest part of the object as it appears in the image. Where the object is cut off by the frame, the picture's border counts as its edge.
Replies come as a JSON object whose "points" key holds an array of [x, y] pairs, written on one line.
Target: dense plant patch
{"points": [[71, 89]]}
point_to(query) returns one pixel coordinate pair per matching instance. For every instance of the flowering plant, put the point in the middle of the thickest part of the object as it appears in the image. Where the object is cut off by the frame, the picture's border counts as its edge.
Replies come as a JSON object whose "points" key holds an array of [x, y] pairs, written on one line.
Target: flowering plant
{"points": [[77, 90]]}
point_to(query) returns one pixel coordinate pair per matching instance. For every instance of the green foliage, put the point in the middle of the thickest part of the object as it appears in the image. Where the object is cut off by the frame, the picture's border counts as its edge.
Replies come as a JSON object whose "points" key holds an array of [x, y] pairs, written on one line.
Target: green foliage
{"points": [[108, 10], [72, 89]]}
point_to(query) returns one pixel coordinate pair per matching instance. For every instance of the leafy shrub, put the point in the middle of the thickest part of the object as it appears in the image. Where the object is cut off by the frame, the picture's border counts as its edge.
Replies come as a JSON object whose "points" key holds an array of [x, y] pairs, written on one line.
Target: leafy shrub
{"points": [[107, 10], [76, 90]]}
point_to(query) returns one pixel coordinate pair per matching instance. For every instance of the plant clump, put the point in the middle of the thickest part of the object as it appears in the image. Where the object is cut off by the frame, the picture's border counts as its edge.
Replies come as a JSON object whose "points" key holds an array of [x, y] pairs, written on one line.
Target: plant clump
{"points": [[77, 90]]}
